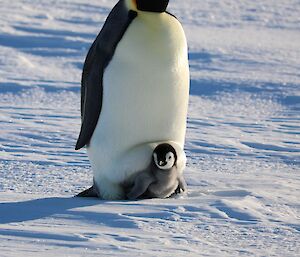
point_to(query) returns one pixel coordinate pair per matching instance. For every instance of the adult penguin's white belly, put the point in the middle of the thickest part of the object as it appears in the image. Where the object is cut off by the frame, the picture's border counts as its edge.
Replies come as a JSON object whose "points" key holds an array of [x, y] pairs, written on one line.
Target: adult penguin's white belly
{"points": [[145, 99]]}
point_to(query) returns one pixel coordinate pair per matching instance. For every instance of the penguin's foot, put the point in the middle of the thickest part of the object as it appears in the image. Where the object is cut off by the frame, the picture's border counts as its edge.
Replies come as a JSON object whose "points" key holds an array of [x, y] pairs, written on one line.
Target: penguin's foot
{"points": [[179, 190], [90, 192], [182, 187]]}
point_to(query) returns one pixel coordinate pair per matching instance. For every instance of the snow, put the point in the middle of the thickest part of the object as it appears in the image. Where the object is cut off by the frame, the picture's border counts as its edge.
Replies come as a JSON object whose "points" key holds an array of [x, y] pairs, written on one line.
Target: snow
{"points": [[243, 137]]}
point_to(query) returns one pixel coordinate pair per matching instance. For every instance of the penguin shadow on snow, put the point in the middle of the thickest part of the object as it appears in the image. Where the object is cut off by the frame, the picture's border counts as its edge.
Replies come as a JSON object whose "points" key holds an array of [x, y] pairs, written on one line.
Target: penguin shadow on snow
{"points": [[13, 212]]}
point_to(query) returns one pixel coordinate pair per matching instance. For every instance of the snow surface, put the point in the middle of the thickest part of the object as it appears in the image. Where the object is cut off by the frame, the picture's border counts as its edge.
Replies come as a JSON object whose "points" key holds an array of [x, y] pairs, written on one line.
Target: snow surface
{"points": [[243, 138]]}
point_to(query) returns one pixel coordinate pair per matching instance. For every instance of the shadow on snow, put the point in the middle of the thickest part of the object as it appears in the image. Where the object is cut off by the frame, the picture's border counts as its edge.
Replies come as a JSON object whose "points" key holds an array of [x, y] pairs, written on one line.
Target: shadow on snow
{"points": [[11, 212]]}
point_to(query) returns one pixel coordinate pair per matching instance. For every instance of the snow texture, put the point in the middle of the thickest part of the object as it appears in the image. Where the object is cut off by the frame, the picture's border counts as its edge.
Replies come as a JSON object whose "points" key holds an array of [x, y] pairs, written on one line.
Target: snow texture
{"points": [[243, 137]]}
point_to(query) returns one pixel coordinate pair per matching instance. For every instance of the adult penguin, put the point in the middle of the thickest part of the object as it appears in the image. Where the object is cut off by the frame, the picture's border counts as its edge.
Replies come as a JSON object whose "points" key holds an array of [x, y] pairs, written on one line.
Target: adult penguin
{"points": [[134, 95]]}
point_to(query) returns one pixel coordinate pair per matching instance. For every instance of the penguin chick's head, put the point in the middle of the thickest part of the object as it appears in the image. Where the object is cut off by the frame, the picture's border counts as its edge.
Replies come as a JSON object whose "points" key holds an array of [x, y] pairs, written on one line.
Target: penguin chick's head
{"points": [[164, 156], [157, 6]]}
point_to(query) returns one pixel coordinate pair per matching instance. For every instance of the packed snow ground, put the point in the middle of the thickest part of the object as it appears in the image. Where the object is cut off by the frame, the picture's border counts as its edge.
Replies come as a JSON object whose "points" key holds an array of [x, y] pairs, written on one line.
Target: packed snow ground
{"points": [[243, 137]]}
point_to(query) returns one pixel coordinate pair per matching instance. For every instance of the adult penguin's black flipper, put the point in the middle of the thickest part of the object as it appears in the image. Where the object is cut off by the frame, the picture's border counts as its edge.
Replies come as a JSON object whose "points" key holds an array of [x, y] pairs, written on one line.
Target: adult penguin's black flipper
{"points": [[98, 57]]}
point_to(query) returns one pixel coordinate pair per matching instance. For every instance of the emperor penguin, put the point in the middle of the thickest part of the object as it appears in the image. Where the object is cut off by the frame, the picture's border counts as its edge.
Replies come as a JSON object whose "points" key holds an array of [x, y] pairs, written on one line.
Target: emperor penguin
{"points": [[162, 178], [134, 93]]}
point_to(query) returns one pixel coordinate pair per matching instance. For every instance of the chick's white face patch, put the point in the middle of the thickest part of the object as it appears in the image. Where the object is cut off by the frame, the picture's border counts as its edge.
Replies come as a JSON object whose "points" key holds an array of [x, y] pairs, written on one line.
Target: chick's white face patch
{"points": [[170, 159], [155, 159]]}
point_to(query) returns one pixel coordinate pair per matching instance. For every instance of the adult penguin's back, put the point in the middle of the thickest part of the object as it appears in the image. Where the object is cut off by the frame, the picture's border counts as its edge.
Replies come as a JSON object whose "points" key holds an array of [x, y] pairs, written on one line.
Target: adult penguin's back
{"points": [[134, 92]]}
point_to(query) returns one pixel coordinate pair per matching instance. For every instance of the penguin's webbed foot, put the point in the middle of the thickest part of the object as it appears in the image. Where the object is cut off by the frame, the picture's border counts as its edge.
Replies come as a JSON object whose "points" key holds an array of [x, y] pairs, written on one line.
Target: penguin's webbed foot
{"points": [[182, 186], [179, 190]]}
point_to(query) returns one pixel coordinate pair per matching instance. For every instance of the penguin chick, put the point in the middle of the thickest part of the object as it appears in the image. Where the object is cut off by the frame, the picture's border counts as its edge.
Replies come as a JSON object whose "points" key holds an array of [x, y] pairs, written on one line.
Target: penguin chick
{"points": [[162, 178]]}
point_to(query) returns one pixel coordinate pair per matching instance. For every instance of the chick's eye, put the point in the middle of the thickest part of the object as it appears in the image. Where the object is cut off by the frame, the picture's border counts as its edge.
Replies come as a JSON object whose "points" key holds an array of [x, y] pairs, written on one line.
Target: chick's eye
{"points": [[170, 157]]}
